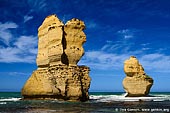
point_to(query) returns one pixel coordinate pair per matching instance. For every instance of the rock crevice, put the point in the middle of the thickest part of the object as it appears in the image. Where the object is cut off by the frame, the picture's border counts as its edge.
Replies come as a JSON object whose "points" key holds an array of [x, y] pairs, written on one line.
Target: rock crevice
{"points": [[58, 76]]}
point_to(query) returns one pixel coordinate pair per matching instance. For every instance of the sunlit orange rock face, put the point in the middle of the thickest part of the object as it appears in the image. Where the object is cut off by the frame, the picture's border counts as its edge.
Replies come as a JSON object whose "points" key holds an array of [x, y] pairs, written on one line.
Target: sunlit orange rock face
{"points": [[136, 82], [58, 76]]}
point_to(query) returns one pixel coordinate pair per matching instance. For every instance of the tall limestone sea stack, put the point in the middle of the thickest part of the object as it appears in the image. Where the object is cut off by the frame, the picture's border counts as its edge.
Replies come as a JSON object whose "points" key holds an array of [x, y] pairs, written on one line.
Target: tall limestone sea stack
{"points": [[136, 82], [59, 49]]}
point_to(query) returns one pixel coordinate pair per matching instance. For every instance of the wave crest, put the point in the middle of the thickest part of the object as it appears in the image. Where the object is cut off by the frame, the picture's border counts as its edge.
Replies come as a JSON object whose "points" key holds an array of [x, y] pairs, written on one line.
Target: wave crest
{"points": [[9, 99], [110, 98]]}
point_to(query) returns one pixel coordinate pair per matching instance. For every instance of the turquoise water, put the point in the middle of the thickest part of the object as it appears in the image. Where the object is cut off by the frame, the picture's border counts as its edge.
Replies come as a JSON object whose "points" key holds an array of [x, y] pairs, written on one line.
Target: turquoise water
{"points": [[100, 102]]}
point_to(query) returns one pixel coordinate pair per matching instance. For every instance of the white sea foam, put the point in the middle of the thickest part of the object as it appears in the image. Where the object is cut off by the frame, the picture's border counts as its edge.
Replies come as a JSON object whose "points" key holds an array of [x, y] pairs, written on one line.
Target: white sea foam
{"points": [[9, 99], [110, 98], [2, 102]]}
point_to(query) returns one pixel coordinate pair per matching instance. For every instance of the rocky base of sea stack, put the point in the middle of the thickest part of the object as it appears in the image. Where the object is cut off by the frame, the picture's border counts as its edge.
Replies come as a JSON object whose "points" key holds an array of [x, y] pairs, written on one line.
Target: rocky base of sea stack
{"points": [[58, 82], [137, 86]]}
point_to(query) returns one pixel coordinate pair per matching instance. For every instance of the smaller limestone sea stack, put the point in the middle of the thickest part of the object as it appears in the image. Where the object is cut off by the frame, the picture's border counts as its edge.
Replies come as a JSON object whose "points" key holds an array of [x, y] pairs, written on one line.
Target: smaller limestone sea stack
{"points": [[58, 76], [136, 82]]}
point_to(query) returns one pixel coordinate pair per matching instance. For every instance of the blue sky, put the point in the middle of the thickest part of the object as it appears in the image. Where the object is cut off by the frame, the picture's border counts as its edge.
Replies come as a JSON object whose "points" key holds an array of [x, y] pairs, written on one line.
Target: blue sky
{"points": [[115, 30]]}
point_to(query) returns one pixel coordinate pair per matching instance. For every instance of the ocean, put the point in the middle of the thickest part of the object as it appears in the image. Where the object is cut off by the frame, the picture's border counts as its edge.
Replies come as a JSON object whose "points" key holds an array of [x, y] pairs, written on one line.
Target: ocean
{"points": [[100, 102]]}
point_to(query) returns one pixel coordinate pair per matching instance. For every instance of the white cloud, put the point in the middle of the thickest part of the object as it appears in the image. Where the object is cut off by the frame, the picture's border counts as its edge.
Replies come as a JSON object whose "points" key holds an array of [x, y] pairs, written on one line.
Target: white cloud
{"points": [[103, 60], [156, 62], [42, 4], [112, 56], [27, 18], [26, 42], [38, 5], [145, 44], [5, 33], [24, 50], [112, 46], [145, 48], [128, 36], [15, 73], [122, 46], [9, 55], [126, 33], [111, 61], [8, 25]]}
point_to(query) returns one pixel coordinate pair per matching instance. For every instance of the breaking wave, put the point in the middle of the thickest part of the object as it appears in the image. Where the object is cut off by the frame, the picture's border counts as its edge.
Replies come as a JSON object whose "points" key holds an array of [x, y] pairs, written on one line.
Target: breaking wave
{"points": [[111, 98], [2, 102], [9, 99]]}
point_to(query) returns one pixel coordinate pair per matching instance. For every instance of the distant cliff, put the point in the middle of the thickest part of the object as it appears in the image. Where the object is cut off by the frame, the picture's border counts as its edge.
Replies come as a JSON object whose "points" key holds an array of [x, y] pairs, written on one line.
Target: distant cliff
{"points": [[59, 50]]}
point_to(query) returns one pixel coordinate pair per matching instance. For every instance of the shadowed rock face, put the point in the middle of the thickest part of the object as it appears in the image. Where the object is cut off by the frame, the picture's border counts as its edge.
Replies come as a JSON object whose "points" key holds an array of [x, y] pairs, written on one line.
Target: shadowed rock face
{"points": [[59, 50], [136, 82]]}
